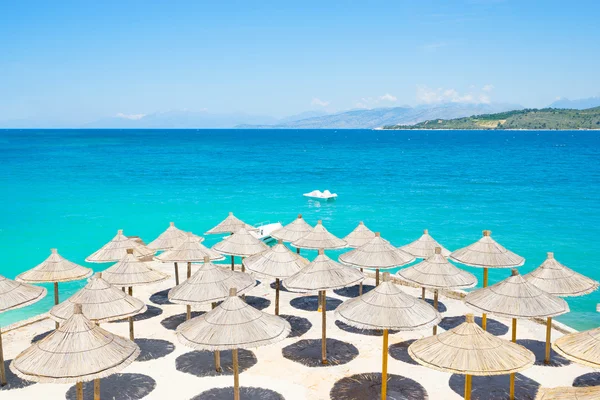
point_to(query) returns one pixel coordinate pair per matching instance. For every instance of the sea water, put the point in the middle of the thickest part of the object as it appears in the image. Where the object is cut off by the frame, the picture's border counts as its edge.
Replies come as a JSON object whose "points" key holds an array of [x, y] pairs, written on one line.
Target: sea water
{"points": [[72, 189]]}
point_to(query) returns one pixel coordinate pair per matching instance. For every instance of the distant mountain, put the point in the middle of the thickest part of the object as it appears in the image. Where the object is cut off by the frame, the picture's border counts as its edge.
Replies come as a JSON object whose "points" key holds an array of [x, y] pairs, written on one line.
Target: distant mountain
{"points": [[579, 104], [546, 118], [378, 117]]}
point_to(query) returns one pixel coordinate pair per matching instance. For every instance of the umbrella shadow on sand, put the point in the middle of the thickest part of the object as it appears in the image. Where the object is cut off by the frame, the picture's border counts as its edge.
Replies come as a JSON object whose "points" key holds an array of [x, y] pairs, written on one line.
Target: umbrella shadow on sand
{"points": [[538, 348], [589, 379], [300, 325], [259, 303], [13, 381], [152, 349], [281, 287], [161, 298], [493, 326], [171, 323], [399, 351], [368, 387], [495, 387], [151, 312], [311, 303], [41, 336], [308, 352], [117, 387], [352, 291], [441, 306], [202, 363], [246, 393], [367, 332]]}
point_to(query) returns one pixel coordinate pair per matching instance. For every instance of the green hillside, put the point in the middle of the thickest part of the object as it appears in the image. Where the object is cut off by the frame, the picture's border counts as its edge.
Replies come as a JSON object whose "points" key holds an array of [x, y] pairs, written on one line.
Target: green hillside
{"points": [[546, 118]]}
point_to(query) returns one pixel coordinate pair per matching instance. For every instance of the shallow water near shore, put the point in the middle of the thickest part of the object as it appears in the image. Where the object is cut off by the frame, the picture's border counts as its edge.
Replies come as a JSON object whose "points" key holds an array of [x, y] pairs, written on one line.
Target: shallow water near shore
{"points": [[72, 189]]}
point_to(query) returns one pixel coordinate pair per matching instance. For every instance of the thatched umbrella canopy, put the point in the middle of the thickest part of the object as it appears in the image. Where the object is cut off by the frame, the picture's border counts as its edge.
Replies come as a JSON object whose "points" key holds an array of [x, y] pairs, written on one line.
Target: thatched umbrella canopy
{"points": [[278, 262], [188, 251], [569, 393], [320, 275], [170, 238], [100, 302], [555, 278], [78, 351], [15, 295], [293, 231], [116, 249], [437, 273], [359, 236], [233, 325], [387, 307], [424, 246], [319, 238], [55, 269], [516, 298], [377, 253], [230, 225], [580, 347], [486, 253], [469, 350], [241, 244]]}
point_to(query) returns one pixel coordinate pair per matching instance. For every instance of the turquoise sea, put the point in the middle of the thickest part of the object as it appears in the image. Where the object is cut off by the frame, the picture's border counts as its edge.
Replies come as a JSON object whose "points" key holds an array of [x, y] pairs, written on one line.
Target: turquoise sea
{"points": [[72, 189]]}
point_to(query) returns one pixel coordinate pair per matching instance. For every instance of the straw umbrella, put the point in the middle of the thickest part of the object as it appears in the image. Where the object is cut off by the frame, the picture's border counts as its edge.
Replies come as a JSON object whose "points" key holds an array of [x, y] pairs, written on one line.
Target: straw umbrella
{"points": [[231, 326], [15, 295], [486, 253], [169, 239], [277, 262], [516, 298], [188, 251], [359, 236], [78, 351], [319, 238], [241, 244], [469, 350], [320, 275], [130, 272], [293, 231], [387, 307], [580, 347], [437, 273], [230, 225], [554, 278], [377, 253], [424, 246], [55, 269], [116, 249], [569, 393]]}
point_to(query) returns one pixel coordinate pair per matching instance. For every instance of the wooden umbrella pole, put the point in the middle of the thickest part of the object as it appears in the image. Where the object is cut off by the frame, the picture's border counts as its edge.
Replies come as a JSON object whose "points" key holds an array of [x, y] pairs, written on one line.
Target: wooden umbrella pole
{"points": [[423, 293], [376, 276], [236, 375], [467, 387], [79, 390], [243, 266], [484, 316], [188, 312], [384, 366], [435, 305], [96, 389], [360, 286], [324, 333], [512, 376], [217, 353], [176, 274], [131, 337], [297, 250], [548, 339], [232, 264], [56, 300], [2, 370], [189, 269], [276, 296]]}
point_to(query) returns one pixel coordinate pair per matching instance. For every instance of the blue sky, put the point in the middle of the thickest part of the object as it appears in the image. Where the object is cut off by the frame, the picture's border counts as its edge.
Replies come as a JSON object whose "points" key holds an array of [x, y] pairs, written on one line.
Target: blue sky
{"points": [[79, 61]]}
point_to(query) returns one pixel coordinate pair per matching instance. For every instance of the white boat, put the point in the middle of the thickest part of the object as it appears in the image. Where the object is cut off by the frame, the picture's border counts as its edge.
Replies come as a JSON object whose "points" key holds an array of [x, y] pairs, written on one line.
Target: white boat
{"points": [[264, 229], [317, 194]]}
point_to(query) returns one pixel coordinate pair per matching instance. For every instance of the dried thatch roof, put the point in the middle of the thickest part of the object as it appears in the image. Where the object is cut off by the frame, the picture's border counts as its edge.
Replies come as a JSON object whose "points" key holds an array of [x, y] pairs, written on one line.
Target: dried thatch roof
{"points": [[232, 325], [55, 269], [323, 274], [210, 283], [229, 225], [436, 272], [131, 271], [468, 349], [319, 238], [359, 236], [100, 301], [241, 243], [292, 231], [487, 253], [188, 251], [169, 239], [387, 307], [424, 246], [116, 249], [569, 393], [77, 351], [15, 294], [554, 278], [514, 297], [580, 347], [277, 262], [377, 253]]}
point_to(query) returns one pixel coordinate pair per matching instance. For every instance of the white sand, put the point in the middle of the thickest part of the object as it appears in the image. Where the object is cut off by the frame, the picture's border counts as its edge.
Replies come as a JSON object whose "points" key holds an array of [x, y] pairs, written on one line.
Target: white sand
{"points": [[273, 371]]}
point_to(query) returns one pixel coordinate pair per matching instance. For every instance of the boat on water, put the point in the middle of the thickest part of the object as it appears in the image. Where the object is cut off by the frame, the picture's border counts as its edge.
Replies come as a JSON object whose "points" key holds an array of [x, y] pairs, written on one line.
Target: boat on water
{"points": [[264, 229], [324, 195]]}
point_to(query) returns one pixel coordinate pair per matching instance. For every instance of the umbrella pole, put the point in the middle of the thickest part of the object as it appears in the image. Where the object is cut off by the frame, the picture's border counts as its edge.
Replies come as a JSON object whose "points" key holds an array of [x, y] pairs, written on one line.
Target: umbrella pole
{"points": [[484, 316], [243, 266], [297, 250], [232, 264], [96, 389], [435, 305], [79, 390], [360, 286], [376, 276], [236, 375], [189, 269], [217, 353], [324, 336], [548, 338], [467, 387], [188, 312], [131, 337], [176, 274], [423, 293], [276, 296], [56, 300], [384, 366], [512, 376], [2, 370]]}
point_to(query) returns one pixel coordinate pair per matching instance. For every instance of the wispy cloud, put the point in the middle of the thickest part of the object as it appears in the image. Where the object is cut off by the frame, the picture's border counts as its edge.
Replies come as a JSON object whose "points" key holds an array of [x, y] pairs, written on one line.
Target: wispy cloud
{"points": [[370, 102], [318, 102], [133, 117], [488, 88], [427, 95]]}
